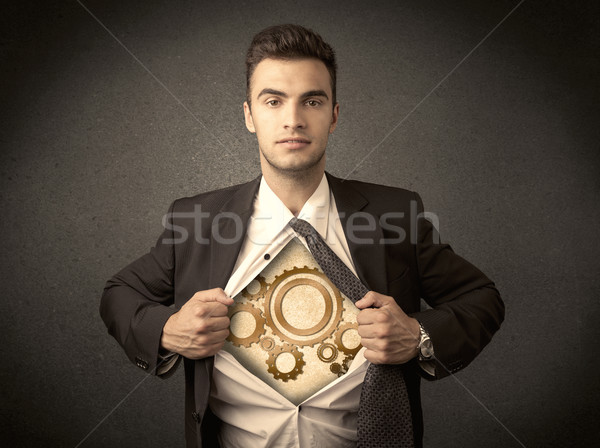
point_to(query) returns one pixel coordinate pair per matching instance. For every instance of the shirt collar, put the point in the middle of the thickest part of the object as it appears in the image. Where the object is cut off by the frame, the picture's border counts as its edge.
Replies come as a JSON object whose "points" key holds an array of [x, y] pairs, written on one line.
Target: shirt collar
{"points": [[316, 209], [275, 216]]}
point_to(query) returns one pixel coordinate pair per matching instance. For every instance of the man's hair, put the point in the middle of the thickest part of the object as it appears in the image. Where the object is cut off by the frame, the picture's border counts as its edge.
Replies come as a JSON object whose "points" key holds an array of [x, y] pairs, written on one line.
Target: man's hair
{"points": [[289, 42]]}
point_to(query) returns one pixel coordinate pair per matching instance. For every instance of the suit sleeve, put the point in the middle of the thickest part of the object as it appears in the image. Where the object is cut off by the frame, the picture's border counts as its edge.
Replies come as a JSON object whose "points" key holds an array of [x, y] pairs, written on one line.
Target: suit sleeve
{"points": [[466, 308], [136, 302]]}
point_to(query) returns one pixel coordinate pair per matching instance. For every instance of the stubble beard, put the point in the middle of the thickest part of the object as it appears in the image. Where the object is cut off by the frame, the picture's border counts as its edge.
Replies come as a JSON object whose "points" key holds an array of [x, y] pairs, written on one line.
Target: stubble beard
{"points": [[296, 171]]}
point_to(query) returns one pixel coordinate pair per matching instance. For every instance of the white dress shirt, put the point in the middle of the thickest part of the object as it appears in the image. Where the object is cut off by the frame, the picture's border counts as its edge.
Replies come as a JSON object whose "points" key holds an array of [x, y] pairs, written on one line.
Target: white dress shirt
{"points": [[253, 413]]}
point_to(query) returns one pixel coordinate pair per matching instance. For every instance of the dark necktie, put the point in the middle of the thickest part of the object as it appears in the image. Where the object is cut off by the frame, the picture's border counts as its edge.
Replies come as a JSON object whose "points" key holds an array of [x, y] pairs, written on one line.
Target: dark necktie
{"points": [[384, 416]]}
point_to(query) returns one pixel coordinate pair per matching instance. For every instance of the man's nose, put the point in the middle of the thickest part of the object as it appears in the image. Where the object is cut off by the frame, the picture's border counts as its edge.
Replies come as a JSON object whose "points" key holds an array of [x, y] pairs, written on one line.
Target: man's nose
{"points": [[294, 117]]}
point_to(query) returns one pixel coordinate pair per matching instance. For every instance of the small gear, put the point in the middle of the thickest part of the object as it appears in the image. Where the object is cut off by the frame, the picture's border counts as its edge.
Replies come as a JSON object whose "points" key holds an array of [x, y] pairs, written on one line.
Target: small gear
{"points": [[336, 368], [346, 363], [342, 369], [298, 357], [259, 329], [288, 280], [263, 286], [339, 342], [321, 351], [267, 343]]}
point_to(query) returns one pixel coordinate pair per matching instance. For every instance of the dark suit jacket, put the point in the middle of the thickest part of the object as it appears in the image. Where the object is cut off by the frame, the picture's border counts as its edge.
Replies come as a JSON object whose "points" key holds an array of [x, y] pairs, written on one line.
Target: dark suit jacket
{"points": [[393, 248]]}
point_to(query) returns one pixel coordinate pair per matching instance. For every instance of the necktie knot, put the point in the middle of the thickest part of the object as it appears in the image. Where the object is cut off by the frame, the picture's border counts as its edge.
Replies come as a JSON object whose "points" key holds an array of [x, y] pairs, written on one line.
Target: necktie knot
{"points": [[302, 227]]}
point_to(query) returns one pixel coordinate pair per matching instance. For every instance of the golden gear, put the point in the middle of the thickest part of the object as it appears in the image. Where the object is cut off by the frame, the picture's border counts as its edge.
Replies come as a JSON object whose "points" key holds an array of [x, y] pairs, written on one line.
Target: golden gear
{"points": [[340, 370], [321, 350], [337, 369], [305, 276], [259, 329], [292, 374], [267, 343], [346, 363], [338, 339], [261, 291]]}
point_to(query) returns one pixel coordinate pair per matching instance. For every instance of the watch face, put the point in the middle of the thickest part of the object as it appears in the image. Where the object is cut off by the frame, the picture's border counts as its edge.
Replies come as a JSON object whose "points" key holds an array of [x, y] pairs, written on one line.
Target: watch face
{"points": [[427, 349]]}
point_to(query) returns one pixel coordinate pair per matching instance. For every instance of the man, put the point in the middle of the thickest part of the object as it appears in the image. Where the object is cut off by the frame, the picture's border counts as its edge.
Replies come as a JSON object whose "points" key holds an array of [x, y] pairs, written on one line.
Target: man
{"points": [[215, 242]]}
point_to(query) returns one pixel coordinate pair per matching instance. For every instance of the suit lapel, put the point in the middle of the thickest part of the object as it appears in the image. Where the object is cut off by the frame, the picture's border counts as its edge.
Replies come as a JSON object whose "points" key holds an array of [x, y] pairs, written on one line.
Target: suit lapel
{"points": [[368, 258], [228, 235]]}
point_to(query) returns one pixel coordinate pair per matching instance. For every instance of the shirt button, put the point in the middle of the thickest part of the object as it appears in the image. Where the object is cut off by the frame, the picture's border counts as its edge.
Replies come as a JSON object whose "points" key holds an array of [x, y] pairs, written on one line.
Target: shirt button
{"points": [[267, 256]]}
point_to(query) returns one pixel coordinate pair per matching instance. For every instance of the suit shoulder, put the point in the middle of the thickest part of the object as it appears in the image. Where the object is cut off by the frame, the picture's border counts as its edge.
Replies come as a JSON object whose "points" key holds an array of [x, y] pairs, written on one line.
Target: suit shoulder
{"points": [[214, 199], [378, 188], [381, 193]]}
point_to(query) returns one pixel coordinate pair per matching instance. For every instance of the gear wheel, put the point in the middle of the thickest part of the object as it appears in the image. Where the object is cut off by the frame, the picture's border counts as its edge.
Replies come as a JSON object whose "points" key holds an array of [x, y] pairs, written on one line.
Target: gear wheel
{"points": [[259, 329], [340, 344], [267, 343], [346, 363], [276, 292], [292, 374], [321, 351], [261, 291], [341, 369], [337, 369]]}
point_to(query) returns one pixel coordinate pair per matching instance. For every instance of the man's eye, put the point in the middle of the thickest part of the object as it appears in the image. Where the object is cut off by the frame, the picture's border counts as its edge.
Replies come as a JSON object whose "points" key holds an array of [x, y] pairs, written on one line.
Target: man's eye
{"points": [[273, 102], [312, 103]]}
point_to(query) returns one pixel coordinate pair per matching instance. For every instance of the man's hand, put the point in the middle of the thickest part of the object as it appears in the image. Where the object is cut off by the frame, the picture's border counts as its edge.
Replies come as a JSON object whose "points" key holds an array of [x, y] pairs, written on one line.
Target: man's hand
{"points": [[388, 333], [200, 327]]}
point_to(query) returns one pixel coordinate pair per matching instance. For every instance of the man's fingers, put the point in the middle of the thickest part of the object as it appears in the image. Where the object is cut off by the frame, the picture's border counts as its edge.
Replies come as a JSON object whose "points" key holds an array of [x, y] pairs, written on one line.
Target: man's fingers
{"points": [[214, 337], [366, 317], [204, 341], [373, 299], [367, 331], [206, 350], [213, 295], [213, 325], [221, 335], [366, 302], [374, 316], [211, 309], [373, 356]]}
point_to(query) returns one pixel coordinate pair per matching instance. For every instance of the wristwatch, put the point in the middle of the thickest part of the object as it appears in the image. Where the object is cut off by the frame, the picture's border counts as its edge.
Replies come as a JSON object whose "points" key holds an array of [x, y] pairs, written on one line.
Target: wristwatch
{"points": [[425, 346]]}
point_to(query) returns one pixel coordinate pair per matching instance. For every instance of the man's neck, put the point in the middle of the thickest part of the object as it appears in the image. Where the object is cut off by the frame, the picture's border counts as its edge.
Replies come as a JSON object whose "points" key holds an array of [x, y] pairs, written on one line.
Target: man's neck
{"points": [[294, 191]]}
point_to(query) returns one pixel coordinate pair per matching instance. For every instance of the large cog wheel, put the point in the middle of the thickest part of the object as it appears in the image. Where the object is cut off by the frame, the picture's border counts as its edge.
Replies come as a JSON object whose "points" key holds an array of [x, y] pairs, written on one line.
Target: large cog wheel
{"points": [[272, 362], [286, 281], [259, 329]]}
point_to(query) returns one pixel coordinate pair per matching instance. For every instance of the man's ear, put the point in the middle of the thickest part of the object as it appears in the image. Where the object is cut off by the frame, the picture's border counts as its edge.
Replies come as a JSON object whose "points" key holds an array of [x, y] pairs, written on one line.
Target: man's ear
{"points": [[248, 117], [334, 117]]}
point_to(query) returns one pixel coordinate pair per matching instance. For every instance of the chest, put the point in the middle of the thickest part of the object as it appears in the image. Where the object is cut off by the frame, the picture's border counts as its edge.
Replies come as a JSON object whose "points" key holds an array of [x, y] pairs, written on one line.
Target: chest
{"points": [[292, 328]]}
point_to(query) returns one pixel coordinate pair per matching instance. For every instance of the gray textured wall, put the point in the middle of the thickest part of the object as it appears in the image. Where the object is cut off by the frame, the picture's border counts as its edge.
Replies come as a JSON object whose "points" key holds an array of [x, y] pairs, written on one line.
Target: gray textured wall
{"points": [[94, 148]]}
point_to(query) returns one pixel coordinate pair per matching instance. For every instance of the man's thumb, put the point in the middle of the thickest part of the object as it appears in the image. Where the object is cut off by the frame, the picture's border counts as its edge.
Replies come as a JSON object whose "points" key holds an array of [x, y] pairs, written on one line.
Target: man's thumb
{"points": [[370, 300]]}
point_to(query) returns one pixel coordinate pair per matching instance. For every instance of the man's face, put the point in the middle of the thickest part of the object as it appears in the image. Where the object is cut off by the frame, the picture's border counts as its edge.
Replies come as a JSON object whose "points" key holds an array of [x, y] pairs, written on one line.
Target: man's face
{"points": [[292, 114]]}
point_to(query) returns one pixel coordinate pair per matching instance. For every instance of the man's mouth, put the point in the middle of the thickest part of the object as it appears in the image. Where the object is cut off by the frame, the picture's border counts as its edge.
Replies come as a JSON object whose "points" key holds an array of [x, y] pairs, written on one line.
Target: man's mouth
{"points": [[294, 140]]}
